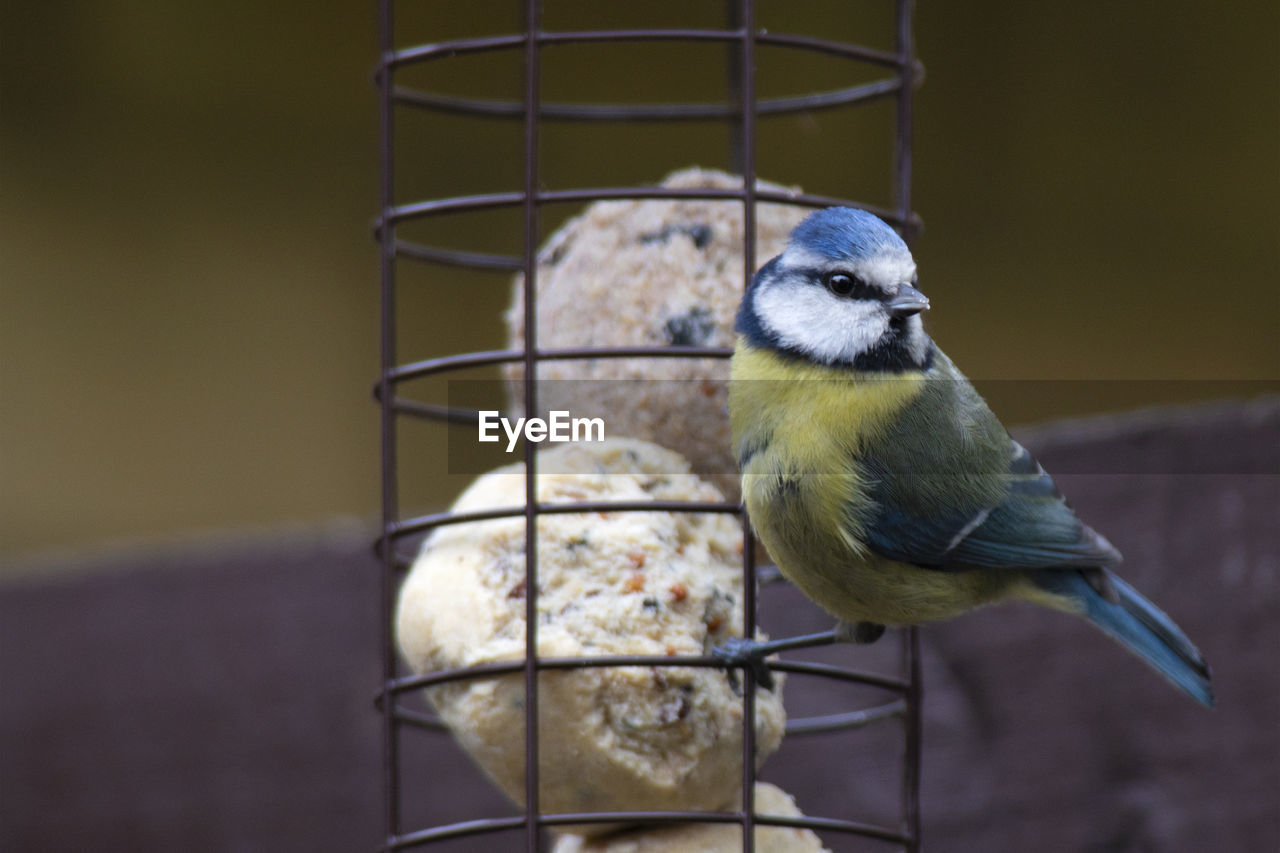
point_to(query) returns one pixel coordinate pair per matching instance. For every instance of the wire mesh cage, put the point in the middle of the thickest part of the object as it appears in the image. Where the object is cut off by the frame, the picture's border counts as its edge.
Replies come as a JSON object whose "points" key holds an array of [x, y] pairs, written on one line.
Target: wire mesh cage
{"points": [[407, 94]]}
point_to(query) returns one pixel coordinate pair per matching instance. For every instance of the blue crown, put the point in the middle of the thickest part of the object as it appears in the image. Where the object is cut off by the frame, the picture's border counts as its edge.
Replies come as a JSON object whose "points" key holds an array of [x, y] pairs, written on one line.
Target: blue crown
{"points": [[846, 234]]}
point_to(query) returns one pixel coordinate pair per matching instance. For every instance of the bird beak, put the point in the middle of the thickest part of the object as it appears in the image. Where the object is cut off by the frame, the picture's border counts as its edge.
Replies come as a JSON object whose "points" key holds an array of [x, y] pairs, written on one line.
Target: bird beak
{"points": [[908, 301]]}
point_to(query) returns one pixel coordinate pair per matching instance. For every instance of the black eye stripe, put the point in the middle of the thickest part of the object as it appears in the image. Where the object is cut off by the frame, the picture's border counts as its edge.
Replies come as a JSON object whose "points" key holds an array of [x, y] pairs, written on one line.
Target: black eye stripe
{"points": [[847, 285], [818, 275]]}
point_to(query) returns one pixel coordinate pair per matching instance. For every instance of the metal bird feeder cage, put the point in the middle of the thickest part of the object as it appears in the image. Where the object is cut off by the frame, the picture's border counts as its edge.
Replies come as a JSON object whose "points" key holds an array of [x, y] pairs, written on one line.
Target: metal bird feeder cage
{"points": [[741, 111]]}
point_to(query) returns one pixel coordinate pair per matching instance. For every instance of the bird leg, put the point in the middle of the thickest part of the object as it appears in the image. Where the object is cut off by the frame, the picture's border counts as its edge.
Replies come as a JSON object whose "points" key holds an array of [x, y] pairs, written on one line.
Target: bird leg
{"points": [[862, 633], [741, 652], [751, 654]]}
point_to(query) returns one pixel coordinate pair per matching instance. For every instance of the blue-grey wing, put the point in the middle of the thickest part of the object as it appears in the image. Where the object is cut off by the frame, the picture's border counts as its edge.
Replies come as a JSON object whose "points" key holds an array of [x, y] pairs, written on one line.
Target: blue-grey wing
{"points": [[960, 519]]}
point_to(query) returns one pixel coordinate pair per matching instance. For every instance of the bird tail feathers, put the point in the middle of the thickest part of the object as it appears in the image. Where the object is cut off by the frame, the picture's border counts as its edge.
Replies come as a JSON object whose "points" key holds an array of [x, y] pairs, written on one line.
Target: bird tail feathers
{"points": [[1137, 624]]}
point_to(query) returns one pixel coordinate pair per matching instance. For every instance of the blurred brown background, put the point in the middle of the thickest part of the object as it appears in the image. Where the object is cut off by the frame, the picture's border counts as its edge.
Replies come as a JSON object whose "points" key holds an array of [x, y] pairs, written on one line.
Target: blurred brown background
{"points": [[188, 282], [188, 338]]}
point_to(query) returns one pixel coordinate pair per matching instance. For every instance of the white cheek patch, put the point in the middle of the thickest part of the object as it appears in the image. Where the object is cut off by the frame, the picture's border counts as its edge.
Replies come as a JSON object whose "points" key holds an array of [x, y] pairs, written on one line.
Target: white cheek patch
{"points": [[811, 320]]}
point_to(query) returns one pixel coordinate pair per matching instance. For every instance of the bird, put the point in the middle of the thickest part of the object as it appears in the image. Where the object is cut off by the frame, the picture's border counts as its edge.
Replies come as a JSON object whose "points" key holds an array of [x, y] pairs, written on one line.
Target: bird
{"points": [[880, 481]]}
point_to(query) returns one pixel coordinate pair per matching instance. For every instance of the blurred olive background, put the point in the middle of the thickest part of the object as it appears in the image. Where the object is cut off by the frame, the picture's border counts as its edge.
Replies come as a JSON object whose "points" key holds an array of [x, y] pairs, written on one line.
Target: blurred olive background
{"points": [[188, 282]]}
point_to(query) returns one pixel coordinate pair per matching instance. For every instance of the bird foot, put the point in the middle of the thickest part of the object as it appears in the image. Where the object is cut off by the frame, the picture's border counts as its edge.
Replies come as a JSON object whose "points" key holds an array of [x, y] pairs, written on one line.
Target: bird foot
{"points": [[740, 652]]}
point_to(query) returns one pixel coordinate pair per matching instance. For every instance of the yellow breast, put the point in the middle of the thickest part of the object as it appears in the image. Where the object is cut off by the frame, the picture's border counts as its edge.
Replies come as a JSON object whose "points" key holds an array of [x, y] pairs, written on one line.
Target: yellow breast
{"points": [[807, 419], [799, 430]]}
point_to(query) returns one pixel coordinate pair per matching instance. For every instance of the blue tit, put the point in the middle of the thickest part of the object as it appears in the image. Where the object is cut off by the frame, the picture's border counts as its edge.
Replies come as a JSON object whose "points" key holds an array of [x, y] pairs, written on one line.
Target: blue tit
{"points": [[880, 481]]}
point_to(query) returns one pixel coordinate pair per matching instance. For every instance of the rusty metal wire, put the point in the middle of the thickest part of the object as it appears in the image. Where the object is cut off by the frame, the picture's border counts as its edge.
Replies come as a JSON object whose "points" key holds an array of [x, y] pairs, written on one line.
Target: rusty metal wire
{"points": [[741, 111]]}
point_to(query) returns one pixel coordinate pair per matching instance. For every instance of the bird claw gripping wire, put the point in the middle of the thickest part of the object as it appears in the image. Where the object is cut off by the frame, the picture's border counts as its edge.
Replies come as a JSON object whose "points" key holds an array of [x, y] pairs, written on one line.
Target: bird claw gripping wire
{"points": [[741, 652]]}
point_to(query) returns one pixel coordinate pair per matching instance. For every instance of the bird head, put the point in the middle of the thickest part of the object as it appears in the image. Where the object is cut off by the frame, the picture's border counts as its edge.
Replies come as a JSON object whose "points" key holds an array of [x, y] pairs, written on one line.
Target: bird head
{"points": [[841, 293]]}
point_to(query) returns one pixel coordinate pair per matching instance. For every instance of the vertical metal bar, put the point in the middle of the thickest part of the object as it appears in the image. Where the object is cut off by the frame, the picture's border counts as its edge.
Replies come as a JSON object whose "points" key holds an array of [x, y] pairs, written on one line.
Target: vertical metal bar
{"points": [[911, 757], [733, 15], [747, 148], [390, 487], [911, 642], [748, 690], [902, 148], [902, 201], [531, 106]]}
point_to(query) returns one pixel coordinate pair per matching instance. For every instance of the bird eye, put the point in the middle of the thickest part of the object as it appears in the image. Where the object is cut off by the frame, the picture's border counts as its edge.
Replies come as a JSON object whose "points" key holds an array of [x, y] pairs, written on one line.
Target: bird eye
{"points": [[841, 283]]}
